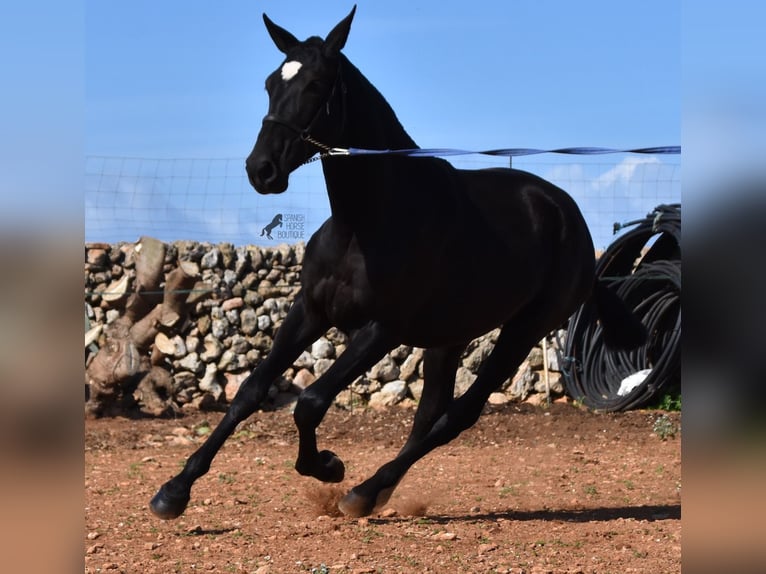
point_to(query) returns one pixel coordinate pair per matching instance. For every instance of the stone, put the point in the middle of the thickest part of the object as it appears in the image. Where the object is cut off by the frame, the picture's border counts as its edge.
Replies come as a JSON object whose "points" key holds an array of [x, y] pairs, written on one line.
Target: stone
{"points": [[389, 395], [321, 366], [220, 328], [211, 259], [117, 290], [385, 370], [322, 349], [304, 361], [554, 381], [416, 389], [463, 379], [535, 358], [400, 353], [474, 360], [233, 382], [233, 303], [521, 384], [408, 370], [191, 363], [231, 361], [208, 382], [248, 321], [498, 399], [239, 344], [303, 378], [264, 322], [213, 348], [553, 359], [173, 347], [229, 277]]}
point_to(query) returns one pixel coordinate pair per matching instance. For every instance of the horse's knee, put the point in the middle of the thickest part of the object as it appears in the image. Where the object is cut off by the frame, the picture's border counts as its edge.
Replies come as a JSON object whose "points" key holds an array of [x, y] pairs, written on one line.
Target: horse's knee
{"points": [[310, 409]]}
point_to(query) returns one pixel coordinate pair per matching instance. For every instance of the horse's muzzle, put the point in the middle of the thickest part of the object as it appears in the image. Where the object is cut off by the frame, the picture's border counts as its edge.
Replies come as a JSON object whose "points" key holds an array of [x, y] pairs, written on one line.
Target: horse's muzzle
{"points": [[265, 176]]}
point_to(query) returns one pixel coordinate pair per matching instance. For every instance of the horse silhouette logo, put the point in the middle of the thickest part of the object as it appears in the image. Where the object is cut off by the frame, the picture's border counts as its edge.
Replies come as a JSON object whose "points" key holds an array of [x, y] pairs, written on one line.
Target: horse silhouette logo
{"points": [[276, 222]]}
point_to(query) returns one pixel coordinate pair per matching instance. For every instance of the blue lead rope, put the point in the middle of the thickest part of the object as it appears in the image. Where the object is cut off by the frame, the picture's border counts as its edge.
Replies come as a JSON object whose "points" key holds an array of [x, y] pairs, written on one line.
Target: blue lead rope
{"points": [[507, 152]]}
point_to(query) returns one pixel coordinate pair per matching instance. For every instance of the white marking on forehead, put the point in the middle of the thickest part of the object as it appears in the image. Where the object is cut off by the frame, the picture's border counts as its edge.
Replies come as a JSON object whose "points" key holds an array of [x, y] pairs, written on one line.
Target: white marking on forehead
{"points": [[289, 69]]}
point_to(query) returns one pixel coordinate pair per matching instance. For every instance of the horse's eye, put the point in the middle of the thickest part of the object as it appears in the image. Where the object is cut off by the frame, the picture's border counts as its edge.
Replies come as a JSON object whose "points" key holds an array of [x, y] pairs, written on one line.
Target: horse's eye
{"points": [[315, 87]]}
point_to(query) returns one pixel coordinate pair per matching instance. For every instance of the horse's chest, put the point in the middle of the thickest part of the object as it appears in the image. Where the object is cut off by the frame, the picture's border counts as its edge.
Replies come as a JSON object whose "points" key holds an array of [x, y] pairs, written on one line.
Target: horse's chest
{"points": [[343, 296]]}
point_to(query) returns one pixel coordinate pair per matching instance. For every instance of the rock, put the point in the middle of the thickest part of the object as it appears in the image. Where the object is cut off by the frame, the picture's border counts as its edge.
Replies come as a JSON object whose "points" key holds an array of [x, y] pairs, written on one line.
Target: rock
{"points": [[213, 348], [385, 370], [233, 303], [535, 358], [220, 328], [191, 363], [498, 399], [117, 290], [184, 379], [248, 321], [264, 322], [208, 382], [408, 370], [553, 358], [416, 389], [203, 324], [239, 344], [400, 353], [231, 361], [521, 384], [463, 379], [474, 360], [97, 258], [322, 349], [304, 361], [536, 399], [211, 259], [233, 382], [174, 347], [390, 394], [229, 278], [303, 378], [321, 366], [554, 380], [364, 386]]}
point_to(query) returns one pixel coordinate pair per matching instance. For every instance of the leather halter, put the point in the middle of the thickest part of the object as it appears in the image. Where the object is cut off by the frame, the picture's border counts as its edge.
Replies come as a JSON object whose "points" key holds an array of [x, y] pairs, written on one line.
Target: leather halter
{"points": [[305, 133]]}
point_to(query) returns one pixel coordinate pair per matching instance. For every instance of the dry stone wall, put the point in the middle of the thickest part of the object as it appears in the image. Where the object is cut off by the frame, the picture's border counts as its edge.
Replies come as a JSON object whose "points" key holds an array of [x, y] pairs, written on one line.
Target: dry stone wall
{"points": [[224, 325]]}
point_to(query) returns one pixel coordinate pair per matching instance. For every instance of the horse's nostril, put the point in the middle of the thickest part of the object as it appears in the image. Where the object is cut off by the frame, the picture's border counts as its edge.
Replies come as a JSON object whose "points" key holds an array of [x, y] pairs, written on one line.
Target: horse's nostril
{"points": [[266, 171]]}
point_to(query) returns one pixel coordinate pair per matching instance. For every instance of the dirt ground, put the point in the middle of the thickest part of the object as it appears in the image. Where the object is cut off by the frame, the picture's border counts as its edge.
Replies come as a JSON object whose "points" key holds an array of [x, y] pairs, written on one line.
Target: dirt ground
{"points": [[527, 490]]}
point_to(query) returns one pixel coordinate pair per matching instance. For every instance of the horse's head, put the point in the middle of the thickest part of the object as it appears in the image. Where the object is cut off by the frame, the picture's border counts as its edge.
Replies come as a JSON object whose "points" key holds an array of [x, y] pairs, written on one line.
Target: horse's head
{"points": [[305, 101]]}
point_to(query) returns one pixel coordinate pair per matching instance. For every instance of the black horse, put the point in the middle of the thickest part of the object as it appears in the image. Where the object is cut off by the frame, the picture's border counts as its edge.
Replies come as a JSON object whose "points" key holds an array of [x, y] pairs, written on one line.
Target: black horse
{"points": [[528, 250]]}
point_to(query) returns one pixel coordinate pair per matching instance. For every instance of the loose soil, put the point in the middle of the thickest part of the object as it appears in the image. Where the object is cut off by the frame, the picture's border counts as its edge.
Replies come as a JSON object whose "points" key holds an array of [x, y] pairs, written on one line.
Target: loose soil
{"points": [[527, 490]]}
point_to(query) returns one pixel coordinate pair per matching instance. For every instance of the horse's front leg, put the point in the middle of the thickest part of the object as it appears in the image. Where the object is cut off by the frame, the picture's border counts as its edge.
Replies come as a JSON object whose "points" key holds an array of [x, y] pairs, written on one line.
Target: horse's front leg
{"points": [[298, 331], [366, 348]]}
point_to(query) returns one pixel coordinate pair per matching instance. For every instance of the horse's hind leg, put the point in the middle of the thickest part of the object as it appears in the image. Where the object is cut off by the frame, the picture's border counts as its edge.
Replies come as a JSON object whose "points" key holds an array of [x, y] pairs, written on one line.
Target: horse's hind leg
{"points": [[296, 333], [513, 345], [439, 368]]}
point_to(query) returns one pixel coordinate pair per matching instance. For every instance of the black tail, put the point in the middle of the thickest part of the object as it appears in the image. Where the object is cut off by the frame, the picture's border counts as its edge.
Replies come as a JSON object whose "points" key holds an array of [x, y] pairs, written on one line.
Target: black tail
{"points": [[620, 327]]}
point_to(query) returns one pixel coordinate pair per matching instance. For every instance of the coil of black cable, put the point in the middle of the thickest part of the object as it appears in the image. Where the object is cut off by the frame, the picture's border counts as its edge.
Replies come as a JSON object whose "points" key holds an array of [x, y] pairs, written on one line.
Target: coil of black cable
{"points": [[643, 266]]}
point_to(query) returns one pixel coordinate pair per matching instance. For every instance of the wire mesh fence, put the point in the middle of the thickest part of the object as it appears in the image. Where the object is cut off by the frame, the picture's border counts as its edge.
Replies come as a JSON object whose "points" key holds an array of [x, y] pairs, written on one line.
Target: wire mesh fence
{"points": [[210, 199]]}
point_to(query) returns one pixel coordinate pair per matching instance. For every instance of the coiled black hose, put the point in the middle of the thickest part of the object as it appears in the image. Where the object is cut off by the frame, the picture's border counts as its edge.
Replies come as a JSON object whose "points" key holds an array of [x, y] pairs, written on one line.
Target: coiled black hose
{"points": [[648, 279]]}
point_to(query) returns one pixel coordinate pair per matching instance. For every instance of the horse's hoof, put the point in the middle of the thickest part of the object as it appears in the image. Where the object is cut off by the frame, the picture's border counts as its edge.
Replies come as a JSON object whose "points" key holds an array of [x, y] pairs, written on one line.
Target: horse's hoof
{"points": [[355, 505], [330, 468], [167, 506]]}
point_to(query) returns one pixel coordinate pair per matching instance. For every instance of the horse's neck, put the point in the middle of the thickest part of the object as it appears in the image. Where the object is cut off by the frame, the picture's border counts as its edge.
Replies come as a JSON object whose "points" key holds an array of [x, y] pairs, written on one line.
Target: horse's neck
{"points": [[355, 185]]}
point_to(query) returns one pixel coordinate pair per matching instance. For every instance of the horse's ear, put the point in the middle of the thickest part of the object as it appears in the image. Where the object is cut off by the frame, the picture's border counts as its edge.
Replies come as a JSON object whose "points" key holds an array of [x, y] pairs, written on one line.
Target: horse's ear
{"points": [[283, 39], [336, 39]]}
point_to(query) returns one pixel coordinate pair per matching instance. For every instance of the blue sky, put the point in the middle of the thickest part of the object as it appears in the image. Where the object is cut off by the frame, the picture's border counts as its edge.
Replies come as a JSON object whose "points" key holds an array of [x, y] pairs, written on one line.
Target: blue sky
{"points": [[170, 79], [164, 83]]}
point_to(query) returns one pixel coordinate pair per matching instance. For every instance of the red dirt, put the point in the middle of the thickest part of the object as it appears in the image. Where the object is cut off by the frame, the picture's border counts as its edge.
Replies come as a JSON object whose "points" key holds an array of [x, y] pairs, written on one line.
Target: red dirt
{"points": [[527, 490]]}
